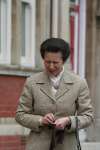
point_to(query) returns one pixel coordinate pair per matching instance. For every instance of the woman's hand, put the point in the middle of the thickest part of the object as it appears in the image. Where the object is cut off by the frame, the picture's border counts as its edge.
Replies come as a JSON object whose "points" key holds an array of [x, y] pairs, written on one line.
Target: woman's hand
{"points": [[48, 119], [62, 122]]}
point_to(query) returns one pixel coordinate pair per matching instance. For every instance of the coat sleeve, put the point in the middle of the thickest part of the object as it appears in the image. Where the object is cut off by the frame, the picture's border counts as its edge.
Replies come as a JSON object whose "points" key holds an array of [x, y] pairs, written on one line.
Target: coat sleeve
{"points": [[25, 113], [85, 111]]}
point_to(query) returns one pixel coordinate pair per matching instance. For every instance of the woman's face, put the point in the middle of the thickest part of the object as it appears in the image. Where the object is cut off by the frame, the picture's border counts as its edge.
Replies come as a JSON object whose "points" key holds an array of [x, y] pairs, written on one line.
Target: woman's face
{"points": [[53, 63]]}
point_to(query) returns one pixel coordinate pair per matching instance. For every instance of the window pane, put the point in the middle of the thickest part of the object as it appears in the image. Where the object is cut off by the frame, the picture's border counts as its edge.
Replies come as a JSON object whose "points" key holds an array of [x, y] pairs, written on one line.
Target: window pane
{"points": [[26, 28], [3, 26], [23, 29], [28, 32], [0, 27]]}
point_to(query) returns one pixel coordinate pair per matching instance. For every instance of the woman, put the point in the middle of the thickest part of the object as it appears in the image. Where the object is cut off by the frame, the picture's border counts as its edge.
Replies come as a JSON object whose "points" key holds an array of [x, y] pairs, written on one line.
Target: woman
{"points": [[48, 101]]}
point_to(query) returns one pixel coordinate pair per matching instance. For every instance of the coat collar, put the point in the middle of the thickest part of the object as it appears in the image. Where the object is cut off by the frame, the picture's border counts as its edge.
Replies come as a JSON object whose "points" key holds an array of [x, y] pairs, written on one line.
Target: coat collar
{"points": [[45, 87], [45, 79]]}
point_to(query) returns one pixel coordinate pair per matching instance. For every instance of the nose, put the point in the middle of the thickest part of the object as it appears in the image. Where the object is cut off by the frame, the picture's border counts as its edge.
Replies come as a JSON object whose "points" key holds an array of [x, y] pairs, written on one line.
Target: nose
{"points": [[51, 65]]}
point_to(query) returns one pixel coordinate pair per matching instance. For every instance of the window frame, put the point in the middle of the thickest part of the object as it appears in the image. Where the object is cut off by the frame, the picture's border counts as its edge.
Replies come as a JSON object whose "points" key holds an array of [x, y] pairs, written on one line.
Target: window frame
{"points": [[29, 59], [5, 56]]}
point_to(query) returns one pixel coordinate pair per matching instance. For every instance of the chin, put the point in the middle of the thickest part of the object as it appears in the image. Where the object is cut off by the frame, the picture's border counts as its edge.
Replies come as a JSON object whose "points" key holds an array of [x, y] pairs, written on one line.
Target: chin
{"points": [[55, 74], [52, 74]]}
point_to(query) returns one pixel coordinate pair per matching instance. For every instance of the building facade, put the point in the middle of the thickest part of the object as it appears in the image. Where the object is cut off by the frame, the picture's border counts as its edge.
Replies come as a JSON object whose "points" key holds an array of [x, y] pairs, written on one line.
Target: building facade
{"points": [[24, 24]]}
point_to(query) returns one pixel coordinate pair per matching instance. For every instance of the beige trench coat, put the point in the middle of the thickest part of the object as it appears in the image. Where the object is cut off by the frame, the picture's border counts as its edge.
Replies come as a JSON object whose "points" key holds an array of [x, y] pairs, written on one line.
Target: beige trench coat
{"points": [[37, 100]]}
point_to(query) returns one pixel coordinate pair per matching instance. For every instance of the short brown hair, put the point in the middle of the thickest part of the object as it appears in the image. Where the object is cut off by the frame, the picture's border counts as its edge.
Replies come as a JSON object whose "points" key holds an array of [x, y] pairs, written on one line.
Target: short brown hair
{"points": [[55, 45]]}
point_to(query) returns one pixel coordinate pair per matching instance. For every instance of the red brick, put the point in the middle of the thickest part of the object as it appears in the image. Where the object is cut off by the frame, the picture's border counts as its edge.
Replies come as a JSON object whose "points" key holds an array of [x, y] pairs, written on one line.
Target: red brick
{"points": [[10, 90], [12, 143]]}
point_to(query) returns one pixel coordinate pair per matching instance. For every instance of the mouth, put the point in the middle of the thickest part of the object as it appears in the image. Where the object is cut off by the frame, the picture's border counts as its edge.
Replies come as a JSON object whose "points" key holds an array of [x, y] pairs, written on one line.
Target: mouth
{"points": [[52, 71]]}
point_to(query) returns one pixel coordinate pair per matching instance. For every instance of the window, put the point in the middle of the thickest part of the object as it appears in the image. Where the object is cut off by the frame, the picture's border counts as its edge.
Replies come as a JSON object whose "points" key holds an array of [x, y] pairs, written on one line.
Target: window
{"points": [[77, 35], [27, 30], [5, 31], [28, 33]]}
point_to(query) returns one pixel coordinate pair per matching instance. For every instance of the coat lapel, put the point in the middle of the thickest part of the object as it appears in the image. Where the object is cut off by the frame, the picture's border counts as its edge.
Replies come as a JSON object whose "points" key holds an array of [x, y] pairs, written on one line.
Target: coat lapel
{"points": [[65, 85], [46, 89], [62, 90], [45, 86]]}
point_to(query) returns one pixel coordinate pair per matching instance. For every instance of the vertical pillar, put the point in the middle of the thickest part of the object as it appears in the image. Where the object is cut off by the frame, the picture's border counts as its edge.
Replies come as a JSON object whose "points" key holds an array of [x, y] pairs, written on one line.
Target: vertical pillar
{"points": [[97, 87], [60, 19], [16, 32], [43, 17], [55, 18], [64, 19], [91, 66], [97, 75]]}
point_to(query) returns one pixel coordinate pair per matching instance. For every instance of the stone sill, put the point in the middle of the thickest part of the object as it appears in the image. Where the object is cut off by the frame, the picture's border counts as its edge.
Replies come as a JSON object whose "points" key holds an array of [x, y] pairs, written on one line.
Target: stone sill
{"points": [[14, 70], [15, 129]]}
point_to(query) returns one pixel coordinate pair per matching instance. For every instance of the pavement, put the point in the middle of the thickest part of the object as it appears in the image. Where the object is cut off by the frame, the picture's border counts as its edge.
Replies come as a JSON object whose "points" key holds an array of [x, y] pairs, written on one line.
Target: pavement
{"points": [[91, 146]]}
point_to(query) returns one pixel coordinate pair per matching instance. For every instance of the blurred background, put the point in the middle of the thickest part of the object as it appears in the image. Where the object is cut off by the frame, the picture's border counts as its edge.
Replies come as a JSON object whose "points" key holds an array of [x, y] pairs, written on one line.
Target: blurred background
{"points": [[24, 24]]}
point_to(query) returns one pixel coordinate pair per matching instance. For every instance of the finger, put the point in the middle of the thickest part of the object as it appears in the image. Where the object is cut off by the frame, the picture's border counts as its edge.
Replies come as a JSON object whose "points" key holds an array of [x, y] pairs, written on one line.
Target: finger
{"points": [[49, 120], [59, 126], [51, 117]]}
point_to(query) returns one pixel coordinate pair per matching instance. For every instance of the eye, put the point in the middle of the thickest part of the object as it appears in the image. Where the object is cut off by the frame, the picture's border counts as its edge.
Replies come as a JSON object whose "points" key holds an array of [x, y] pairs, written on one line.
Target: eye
{"points": [[55, 63], [48, 62], [52, 62]]}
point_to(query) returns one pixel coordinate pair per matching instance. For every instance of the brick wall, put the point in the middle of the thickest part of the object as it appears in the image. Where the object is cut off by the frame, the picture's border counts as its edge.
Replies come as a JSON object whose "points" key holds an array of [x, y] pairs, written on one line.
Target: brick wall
{"points": [[12, 143], [10, 90]]}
